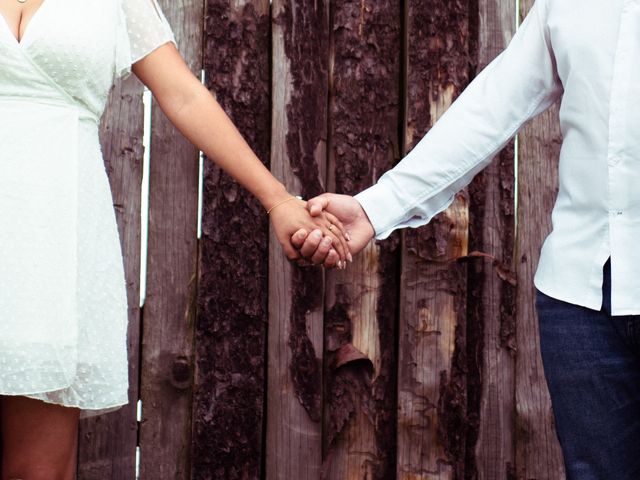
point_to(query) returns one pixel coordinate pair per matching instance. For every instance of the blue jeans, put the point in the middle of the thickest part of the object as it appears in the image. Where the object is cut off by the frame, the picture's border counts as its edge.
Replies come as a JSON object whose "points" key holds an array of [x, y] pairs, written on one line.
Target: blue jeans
{"points": [[592, 365]]}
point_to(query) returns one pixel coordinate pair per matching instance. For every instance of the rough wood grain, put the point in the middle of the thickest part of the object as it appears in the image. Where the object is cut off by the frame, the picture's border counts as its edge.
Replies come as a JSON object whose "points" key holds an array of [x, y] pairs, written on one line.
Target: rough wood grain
{"points": [[432, 363], [298, 158], [107, 443], [233, 290], [168, 316], [538, 454], [491, 308], [361, 302]]}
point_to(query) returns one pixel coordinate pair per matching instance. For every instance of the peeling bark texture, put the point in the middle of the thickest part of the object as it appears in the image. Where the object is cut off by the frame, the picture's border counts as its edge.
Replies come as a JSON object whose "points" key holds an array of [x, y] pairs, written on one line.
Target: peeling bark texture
{"points": [[308, 71], [233, 270], [438, 58], [433, 418], [453, 422], [384, 388], [439, 61], [452, 408], [491, 320], [300, 98], [432, 242], [349, 371], [508, 291], [305, 367], [364, 115], [365, 91]]}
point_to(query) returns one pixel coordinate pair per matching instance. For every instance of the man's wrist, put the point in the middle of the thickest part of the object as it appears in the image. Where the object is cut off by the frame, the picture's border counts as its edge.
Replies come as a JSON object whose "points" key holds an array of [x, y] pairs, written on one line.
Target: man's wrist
{"points": [[383, 208], [366, 220]]}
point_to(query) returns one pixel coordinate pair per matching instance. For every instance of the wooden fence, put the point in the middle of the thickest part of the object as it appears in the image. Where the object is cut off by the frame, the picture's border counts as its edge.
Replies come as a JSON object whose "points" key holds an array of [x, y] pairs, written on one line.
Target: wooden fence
{"points": [[421, 360]]}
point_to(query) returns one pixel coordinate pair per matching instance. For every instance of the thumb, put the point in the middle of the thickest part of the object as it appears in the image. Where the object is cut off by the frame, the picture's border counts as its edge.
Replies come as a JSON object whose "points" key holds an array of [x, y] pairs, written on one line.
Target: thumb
{"points": [[318, 204]]}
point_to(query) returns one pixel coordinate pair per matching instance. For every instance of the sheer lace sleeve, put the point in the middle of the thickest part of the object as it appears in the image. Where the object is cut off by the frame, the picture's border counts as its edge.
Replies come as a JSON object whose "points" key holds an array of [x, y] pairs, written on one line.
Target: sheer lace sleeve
{"points": [[142, 28]]}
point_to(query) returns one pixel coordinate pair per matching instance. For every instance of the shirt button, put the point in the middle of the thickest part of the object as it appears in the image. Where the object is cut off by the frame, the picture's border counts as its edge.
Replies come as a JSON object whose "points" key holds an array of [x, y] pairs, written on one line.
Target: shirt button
{"points": [[614, 159]]}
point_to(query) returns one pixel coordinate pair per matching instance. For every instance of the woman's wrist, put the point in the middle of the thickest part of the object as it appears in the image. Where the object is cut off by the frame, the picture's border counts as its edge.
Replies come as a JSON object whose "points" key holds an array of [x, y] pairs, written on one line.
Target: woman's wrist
{"points": [[274, 195], [290, 198]]}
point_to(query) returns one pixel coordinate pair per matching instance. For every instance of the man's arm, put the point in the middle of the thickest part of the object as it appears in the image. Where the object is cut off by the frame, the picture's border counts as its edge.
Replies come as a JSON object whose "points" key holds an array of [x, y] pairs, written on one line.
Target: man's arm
{"points": [[519, 84]]}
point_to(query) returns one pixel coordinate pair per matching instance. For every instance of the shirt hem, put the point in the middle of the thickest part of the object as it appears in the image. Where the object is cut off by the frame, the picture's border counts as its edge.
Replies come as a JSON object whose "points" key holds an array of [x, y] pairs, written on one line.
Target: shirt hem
{"points": [[590, 303]]}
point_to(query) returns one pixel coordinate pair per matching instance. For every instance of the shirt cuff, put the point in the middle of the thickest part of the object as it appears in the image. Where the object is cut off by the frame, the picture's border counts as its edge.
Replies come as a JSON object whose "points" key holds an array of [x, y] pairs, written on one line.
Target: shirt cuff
{"points": [[381, 207], [386, 211]]}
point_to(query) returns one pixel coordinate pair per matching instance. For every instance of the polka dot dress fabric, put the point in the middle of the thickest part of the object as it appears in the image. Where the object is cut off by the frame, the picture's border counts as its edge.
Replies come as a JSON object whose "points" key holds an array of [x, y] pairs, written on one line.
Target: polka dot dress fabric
{"points": [[63, 299]]}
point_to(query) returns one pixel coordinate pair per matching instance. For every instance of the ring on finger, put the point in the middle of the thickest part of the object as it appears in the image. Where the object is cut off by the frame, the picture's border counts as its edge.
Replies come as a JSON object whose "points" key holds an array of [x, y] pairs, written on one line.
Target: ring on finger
{"points": [[331, 227]]}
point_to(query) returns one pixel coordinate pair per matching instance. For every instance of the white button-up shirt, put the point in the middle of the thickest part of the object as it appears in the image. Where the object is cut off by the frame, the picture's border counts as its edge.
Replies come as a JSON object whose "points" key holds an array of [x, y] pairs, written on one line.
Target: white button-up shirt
{"points": [[588, 53]]}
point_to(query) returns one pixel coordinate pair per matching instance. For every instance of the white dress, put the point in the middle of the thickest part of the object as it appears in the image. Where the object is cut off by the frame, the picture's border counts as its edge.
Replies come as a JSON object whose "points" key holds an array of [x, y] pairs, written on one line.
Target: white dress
{"points": [[63, 300]]}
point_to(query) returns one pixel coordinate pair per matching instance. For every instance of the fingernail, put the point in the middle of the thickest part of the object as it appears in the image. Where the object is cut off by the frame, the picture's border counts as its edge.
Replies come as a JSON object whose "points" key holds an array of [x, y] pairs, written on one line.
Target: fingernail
{"points": [[350, 257], [347, 236], [302, 234], [317, 233], [326, 241]]}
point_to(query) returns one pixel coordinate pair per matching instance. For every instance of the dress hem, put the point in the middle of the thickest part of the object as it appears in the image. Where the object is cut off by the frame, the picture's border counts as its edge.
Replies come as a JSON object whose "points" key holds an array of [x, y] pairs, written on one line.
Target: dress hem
{"points": [[86, 410]]}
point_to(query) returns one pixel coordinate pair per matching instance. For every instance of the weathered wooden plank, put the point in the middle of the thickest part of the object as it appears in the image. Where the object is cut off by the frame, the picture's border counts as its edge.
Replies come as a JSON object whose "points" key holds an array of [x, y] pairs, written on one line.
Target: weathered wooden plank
{"points": [[431, 378], [362, 301], [298, 158], [168, 316], [538, 453], [107, 443], [491, 308], [232, 311]]}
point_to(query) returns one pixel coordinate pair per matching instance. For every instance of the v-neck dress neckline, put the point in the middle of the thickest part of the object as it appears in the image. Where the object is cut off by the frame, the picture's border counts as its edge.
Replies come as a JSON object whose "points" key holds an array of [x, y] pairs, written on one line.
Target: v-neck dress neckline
{"points": [[28, 27]]}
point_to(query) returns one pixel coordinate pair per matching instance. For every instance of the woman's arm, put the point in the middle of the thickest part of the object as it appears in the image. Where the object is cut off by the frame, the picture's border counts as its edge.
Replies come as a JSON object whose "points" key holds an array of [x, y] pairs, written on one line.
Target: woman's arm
{"points": [[199, 117]]}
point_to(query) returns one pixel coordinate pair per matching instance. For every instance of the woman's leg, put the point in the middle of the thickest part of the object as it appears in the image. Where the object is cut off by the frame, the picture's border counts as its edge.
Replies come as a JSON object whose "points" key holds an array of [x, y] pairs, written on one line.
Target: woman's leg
{"points": [[39, 440], [592, 366]]}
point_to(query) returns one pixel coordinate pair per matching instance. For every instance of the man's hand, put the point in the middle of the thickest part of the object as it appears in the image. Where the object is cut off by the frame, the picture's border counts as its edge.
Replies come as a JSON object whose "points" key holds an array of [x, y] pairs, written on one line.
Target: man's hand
{"points": [[354, 220], [289, 217]]}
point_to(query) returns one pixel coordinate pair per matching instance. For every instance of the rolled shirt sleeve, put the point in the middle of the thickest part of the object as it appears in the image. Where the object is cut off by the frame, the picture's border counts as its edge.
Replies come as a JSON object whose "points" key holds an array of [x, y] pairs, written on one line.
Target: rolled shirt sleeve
{"points": [[519, 84]]}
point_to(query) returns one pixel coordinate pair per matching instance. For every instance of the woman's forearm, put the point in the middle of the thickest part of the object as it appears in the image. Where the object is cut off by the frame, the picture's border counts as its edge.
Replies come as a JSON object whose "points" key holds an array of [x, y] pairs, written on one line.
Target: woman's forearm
{"points": [[203, 122], [199, 117]]}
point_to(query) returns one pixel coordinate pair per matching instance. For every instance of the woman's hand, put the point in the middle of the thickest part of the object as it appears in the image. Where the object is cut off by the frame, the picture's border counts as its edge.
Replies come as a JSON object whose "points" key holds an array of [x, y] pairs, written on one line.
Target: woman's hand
{"points": [[292, 216], [354, 219]]}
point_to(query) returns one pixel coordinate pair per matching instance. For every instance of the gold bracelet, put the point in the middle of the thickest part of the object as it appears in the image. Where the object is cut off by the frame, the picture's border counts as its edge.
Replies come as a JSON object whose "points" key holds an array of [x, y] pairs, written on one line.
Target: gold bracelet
{"points": [[283, 202]]}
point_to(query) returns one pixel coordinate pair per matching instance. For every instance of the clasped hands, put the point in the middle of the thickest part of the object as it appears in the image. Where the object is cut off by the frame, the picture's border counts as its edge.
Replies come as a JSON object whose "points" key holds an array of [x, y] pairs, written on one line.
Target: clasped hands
{"points": [[331, 230]]}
